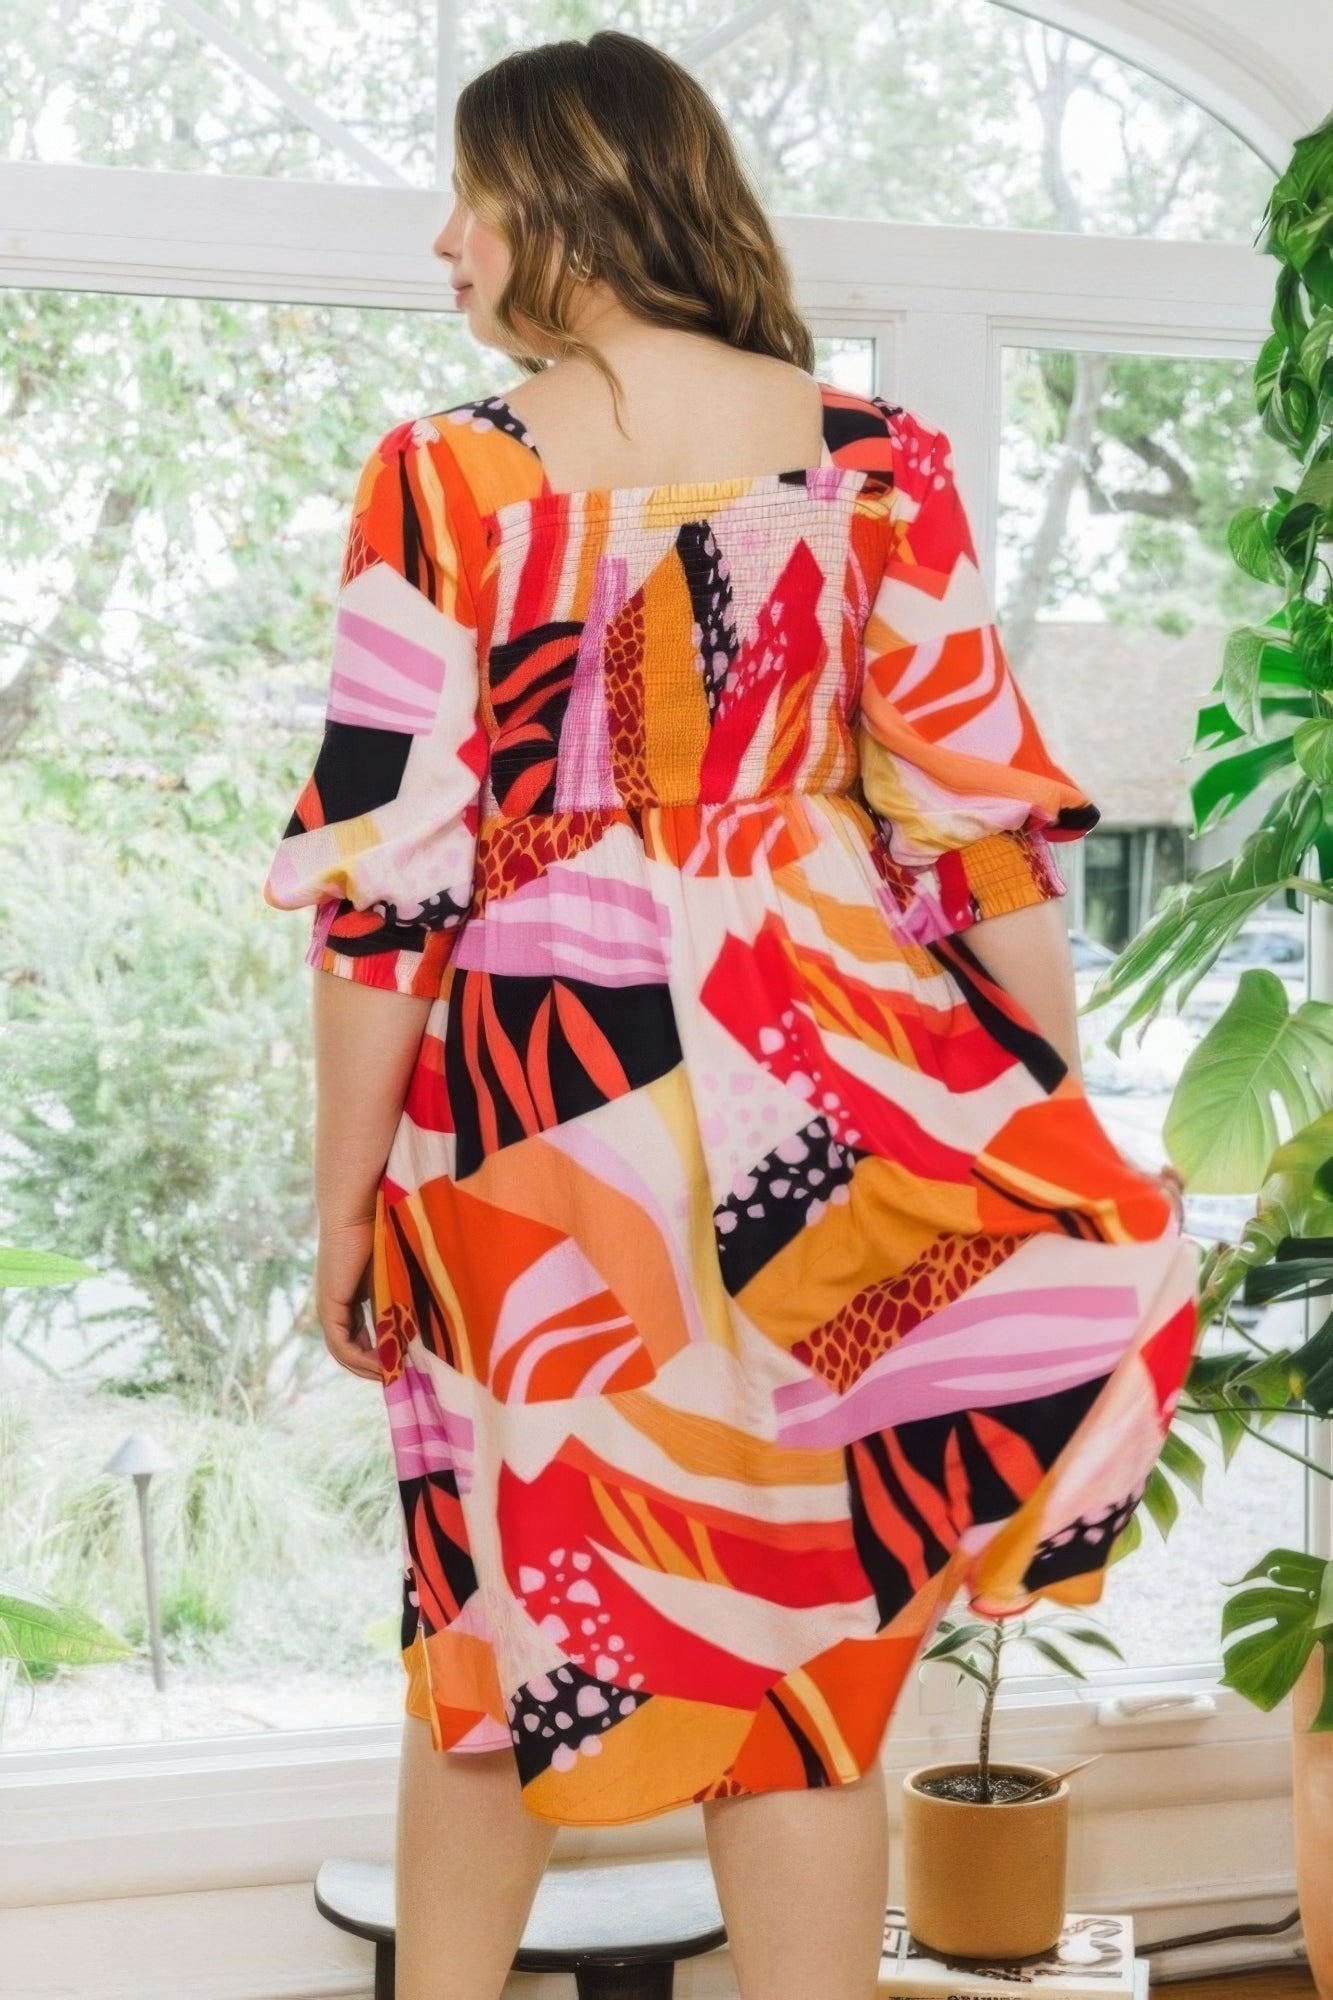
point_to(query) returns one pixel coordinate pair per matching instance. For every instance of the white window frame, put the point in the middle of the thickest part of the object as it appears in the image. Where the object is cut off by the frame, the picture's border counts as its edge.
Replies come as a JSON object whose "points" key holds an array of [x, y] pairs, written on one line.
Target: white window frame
{"points": [[941, 304]]}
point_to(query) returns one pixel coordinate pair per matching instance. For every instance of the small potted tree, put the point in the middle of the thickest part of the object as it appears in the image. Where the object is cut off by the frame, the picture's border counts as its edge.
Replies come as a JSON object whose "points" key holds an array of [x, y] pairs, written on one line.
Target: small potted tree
{"points": [[985, 1843]]}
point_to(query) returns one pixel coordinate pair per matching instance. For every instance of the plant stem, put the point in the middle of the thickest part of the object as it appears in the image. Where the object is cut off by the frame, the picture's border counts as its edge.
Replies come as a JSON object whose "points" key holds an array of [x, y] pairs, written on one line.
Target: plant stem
{"points": [[1286, 1450], [1249, 1409], [1321, 891], [994, 1641]]}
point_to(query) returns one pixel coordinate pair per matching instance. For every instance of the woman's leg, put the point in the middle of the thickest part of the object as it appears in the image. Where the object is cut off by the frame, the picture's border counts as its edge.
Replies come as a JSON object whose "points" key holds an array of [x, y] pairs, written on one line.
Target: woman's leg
{"points": [[470, 1860], [802, 1877]]}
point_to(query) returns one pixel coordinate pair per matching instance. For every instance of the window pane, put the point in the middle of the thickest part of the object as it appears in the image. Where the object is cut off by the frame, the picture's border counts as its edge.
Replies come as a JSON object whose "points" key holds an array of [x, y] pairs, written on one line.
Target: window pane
{"points": [[181, 481], [323, 90], [1118, 476], [965, 112], [179, 488], [902, 110]]}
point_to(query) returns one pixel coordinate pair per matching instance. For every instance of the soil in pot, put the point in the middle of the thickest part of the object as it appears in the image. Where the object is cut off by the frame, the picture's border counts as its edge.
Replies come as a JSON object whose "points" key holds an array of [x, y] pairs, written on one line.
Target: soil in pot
{"points": [[966, 1785]]}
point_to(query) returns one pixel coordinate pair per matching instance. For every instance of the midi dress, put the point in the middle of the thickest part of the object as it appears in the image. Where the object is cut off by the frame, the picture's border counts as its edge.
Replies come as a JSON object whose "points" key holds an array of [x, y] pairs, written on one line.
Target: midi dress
{"points": [[750, 1276]]}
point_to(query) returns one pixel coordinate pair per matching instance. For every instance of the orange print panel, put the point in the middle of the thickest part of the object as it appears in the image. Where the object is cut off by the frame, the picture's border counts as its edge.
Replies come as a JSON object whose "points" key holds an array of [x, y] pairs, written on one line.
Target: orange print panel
{"points": [[1056, 1155], [840, 1703], [724, 841], [534, 1183], [1029, 775], [885, 1225], [474, 1253]]}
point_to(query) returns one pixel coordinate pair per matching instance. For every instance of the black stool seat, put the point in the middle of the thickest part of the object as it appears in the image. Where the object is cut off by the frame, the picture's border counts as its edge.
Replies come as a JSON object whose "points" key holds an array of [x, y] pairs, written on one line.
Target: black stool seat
{"points": [[618, 1926]]}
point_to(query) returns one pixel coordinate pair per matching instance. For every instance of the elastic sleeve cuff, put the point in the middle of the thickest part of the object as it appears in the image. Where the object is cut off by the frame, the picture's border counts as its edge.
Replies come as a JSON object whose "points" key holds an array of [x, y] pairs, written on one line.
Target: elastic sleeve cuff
{"points": [[966, 885], [997, 874]]}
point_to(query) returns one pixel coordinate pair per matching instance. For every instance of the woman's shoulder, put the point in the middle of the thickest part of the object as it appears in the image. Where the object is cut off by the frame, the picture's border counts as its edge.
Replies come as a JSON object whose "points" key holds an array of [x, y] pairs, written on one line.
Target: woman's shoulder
{"points": [[487, 444], [469, 458], [474, 455]]}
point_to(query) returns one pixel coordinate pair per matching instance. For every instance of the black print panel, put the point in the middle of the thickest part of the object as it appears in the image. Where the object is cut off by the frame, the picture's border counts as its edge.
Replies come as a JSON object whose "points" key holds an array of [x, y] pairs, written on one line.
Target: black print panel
{"points": [[771, 1204], [356, 771], [522, 1055], [711, 601], [442, 1570], [1045, 1423], [530, 679], [554, 1714]]}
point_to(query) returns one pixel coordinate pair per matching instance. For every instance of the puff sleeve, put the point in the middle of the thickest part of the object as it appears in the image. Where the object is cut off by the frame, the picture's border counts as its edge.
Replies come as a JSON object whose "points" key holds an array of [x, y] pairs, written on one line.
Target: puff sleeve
{"points": [[381, 843], [965, 797]]}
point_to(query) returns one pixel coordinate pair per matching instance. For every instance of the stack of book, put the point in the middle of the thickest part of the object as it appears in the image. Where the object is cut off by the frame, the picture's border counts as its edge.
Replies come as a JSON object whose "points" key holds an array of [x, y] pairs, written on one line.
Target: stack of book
{"points": [[1093, 1959]]}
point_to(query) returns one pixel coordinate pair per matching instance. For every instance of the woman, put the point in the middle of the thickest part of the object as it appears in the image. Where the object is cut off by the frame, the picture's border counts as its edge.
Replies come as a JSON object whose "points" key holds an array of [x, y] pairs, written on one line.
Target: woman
{"points": [[699, 1079]]}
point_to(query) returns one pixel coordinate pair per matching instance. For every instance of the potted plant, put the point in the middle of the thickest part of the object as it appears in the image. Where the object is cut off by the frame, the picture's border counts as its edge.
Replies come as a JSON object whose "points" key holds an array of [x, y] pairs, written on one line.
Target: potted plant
{"points": [[1290, 1652], [1269, 718], [985, 1843]]}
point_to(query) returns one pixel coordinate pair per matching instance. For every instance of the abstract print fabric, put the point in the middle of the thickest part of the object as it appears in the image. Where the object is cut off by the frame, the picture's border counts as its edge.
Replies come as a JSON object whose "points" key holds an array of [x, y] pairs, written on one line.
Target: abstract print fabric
{"points": [[750, 1275]]}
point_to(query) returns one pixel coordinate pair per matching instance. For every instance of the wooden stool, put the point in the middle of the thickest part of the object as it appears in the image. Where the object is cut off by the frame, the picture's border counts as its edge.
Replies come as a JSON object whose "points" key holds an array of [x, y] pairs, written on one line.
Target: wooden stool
{"points": [[618, 1926]]}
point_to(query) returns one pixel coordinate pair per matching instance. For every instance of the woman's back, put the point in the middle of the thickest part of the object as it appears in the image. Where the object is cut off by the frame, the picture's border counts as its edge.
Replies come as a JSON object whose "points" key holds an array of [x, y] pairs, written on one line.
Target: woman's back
{"points": [[695, 409]]}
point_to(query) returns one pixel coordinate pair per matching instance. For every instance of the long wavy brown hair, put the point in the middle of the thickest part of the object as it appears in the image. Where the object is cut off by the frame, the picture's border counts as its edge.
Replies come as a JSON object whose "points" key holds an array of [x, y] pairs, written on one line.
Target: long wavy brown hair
{"points": [[610, 155]]}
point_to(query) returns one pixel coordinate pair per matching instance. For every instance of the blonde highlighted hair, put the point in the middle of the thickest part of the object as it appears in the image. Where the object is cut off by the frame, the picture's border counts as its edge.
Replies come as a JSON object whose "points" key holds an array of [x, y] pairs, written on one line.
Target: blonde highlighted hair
{"points": [[609, 156]]}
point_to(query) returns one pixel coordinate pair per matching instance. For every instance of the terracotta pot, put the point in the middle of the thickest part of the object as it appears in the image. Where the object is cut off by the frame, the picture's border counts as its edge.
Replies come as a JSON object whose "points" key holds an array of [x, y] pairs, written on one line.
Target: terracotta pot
{"points": [[1312, 1811], [984, 1881]]}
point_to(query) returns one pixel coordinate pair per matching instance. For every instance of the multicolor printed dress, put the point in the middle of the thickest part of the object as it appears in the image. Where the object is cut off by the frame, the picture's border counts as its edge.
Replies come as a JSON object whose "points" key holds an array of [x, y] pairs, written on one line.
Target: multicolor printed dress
{"points": [[750, 1275]]}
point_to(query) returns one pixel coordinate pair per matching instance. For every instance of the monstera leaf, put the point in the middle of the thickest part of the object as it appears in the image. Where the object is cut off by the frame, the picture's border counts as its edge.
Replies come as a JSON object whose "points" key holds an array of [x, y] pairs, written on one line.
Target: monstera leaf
{"points": [[1282, 1619], [1222, 1129]]}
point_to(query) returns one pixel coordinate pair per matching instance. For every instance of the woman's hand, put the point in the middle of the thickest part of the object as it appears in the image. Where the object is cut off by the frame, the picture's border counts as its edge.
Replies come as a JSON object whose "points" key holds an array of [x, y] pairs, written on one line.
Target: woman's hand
{"points": [[342, 1280], [366, 1042], [1173, 1187]]}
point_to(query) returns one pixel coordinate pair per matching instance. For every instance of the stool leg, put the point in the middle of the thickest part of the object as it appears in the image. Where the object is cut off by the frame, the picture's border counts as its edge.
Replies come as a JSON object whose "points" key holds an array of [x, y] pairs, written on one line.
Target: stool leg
{"points": [[385, 1973], [625, 1982]]}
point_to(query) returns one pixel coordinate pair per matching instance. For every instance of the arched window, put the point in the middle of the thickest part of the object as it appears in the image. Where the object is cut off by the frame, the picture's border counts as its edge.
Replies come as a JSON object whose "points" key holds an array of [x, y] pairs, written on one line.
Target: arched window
{"points": [[891, 110]]}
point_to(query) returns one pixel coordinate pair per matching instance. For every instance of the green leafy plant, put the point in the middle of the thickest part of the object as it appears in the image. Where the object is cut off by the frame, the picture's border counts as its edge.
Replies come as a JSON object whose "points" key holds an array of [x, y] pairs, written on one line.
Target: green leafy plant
{"points": [[980, 1649], [1291, 1612], [1250, 1108], [37, 1630]]}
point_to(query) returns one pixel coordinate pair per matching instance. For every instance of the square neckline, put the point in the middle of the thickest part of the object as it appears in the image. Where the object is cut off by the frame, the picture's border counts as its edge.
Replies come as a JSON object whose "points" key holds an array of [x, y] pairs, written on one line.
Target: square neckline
{"points": [[670, 490]]}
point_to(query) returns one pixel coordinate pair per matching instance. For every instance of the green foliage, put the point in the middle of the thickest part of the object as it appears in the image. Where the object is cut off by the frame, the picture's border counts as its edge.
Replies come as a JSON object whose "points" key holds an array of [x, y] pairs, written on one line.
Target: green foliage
{"points": [[258, 1526], [1221, 1129], [36, 1630], [40, 1267], [1166, 448], [160, 713], [984, 97], [1274, 718], [42, 1633], [1291, 1613], [1276, 682], [1197, 918]]}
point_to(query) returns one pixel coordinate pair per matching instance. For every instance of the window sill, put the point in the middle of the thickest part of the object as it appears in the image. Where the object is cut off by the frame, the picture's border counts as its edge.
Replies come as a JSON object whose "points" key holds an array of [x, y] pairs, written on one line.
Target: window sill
{"points": [[237, 1811]]}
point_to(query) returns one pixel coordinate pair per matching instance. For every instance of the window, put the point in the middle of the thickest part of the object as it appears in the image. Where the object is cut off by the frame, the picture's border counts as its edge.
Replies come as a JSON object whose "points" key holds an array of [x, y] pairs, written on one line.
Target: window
{"points": [[895, 110]]}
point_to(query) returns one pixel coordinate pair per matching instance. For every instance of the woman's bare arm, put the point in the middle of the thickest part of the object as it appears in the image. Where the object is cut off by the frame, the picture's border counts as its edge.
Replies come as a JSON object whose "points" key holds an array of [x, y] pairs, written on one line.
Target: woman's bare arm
{"points": [[366, 1041], [1028, 952]]}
